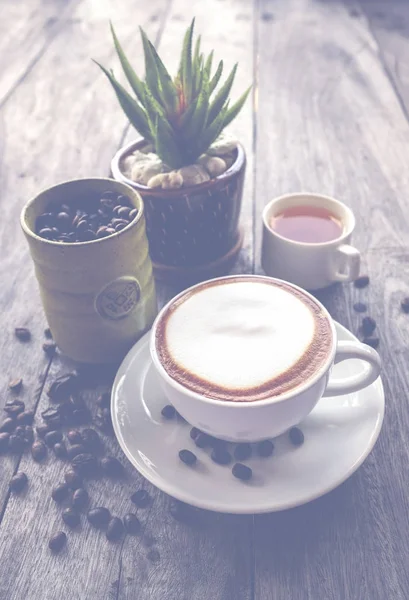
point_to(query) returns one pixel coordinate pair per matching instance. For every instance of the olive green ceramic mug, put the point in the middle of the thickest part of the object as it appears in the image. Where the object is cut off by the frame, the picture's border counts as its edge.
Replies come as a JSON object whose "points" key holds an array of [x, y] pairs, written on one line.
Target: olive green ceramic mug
{"points": [[98, 296]]}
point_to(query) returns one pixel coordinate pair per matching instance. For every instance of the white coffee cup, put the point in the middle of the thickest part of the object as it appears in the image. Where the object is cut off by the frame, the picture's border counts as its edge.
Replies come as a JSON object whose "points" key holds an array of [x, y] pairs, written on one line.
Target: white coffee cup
{"points": [[257, 420], [312, 266]]}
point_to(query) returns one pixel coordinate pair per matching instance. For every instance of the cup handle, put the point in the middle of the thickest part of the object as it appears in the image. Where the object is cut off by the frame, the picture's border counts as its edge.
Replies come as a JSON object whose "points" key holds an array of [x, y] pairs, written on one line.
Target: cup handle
{"points": [[350, 259], [353, 383]]}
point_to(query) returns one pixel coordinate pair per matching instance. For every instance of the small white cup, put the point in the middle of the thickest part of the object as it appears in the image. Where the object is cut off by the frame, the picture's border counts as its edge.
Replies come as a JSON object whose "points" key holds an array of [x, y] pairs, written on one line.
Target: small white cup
{"points": [[308, 265], [261, 419]]}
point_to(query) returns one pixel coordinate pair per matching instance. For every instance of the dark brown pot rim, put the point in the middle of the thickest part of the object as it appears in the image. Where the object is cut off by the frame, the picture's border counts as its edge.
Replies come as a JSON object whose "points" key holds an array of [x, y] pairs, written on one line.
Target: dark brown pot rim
{"points": [[236, 167]]}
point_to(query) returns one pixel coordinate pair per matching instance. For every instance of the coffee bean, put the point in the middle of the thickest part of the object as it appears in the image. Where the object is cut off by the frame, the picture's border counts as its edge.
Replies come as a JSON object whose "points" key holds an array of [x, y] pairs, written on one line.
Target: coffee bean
{"points": [[265, 448], [86, 236], [116, 209], [58, 541], [60, 450], [115, 529], [104, 400], [71, 517], [361, 281], [168, 411], [75, 450], [14, 407], [132, 524], [42, 430], [194, 432], [7, 425], [22, 333], [46, 220], [74, 436], [120, 226], [50, 348], [360, 307], [123, 212], [15, 385], [16, 443], [82, 225], [85, 464], [91, 440], [63, 387], [72, 479], [112, 467], [371, 341], [99, 517], [187, 457], [60, 493], [50, 413], [133, 214], [81, 416], [47, 233], [28, 434], [102, 232], [221, 456], [54, 423], [38, 451], [108, 196], [25, 418], [202, 440], [19, 430], [4, 442], [242, 451], [368, 326], [123, 200], [296, 436], [242, 472], [53, 437], [48, 334], [80, 499], [18, 482], [141, 498]]}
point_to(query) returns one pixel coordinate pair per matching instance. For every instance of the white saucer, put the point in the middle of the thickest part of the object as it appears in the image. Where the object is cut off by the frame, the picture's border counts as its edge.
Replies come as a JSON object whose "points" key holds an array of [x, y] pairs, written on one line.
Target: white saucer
{"points": [[339, 434]]}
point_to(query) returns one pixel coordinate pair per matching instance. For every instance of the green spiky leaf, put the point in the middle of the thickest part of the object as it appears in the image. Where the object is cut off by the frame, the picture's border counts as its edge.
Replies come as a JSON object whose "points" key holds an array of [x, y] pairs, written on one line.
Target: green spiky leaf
{"points": [[236, 108], [133, 79], [212, 132], [216, 77], [166, 147], [186, 63], [199, 117], [222, 95], [151, 70], [136, 115], [168, 88], [208, 65]]}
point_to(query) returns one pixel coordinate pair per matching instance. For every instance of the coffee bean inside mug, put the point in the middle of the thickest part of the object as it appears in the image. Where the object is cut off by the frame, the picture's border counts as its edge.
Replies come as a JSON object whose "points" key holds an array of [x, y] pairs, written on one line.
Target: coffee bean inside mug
{"points": [[85, 219], [307, 224]]}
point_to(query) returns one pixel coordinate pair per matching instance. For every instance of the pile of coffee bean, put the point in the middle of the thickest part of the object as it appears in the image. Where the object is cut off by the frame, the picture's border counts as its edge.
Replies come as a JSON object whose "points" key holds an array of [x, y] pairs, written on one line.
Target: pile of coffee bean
{"points": [[222, 452], [85, 219]]}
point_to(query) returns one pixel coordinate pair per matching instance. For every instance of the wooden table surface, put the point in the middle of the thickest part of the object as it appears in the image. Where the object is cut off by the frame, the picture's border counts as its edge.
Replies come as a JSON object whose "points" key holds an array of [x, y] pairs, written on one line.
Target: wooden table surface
{"points": [[329, 113]]}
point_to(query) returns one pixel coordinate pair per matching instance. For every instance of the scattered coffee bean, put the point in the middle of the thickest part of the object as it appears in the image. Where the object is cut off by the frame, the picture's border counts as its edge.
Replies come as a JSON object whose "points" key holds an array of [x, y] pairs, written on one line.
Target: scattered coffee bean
{"points": [[14, 407], [20, 430], [202, 440], [187, 457], [371, 341], [63, 387], [58, 541], [221, 456], [4, 442], [60, 450], [49, 347], [85, 464], [112, 467], [29, 434], [265, 448], [72, 479], [15, 385], [360, 307], [91, 440], [75, 450], [50, 413], [141, 498], [194, 432], [242, 451], [38, 451], [168, 411], [74, 436], [60, 493], [80, 499], [104, 400], [18, 482], [368, 326], [184, 513], [115, 529], [22, 333], [48, 334], [55, 423], [71, 517], [153, 555], [361, 281], [99, 517], [296, 436], [25, 418], [405, 305], [7, 425], [132, 524], [42, 430], [16, 443], [53, 437], [242, 472]]}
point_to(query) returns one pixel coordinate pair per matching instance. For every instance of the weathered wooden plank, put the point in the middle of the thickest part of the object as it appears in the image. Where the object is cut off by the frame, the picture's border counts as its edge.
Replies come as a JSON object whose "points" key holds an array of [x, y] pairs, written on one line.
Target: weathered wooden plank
{"points": [[26, 30], [329, 121], [73, 131]]}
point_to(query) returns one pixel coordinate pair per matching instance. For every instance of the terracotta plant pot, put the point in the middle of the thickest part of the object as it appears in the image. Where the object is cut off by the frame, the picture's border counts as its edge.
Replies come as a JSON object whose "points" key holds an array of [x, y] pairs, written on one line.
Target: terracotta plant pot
{"points": [[193, 232], [98, 296]]}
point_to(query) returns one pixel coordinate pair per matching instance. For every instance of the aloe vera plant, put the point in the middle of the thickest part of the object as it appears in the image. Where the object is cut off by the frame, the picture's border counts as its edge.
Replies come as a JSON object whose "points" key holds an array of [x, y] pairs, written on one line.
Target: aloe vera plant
{"points": [[180, 117]]}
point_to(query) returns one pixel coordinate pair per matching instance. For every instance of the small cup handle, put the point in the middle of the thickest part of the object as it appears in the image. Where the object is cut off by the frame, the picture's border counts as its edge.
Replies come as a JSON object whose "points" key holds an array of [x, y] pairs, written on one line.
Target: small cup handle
{"points": [[353, 383], [350, 259]]}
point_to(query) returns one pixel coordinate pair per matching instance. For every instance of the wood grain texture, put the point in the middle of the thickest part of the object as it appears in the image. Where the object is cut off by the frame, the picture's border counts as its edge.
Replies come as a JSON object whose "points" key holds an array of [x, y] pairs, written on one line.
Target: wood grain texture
{"points": [[329, 121]]}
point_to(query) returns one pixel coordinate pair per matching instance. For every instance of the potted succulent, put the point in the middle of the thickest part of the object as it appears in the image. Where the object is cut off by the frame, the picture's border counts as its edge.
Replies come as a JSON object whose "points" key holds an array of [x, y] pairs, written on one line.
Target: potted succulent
{"points": [[188, 171]]}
